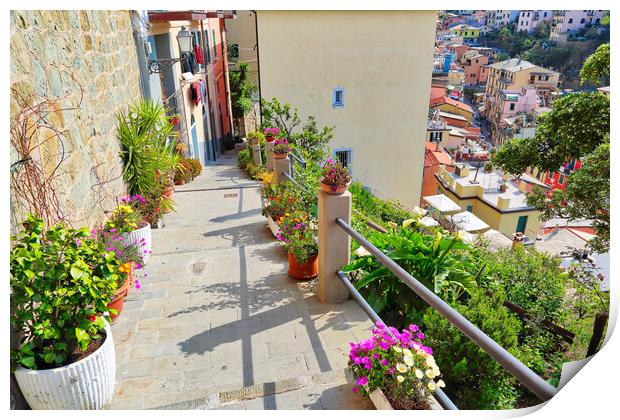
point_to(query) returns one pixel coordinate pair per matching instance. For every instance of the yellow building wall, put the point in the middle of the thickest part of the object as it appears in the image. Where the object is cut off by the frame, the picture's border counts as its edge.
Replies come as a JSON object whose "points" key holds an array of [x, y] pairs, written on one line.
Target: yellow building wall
{"points": [[383, 60], [455, 110], [505, 223]]}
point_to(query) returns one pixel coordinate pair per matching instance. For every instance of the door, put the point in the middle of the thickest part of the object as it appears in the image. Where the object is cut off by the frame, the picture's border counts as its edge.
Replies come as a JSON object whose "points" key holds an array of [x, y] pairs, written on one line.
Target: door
{"points": [[209, 152], [195, 147], [521, 224]]}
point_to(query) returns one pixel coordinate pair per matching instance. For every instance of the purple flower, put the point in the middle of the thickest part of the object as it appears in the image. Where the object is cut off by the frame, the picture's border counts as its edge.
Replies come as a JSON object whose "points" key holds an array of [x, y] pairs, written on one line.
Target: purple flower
{"points": [[376, 355], [138, 265], [384, 362], [363, 380], [355, 390]]}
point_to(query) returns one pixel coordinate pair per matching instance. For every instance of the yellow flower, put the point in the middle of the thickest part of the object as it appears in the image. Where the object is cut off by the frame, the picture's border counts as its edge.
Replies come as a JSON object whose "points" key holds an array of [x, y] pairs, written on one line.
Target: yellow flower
{"points": [[398, 350], [407, 222], [432, 386], [419, 374], [112, 225], [400, 378], [430, 374], [401, 368]]}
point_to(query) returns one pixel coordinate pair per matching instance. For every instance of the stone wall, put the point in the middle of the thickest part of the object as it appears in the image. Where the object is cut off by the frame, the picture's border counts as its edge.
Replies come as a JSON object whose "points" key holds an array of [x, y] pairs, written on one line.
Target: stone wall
{"points": [[86, 63]]}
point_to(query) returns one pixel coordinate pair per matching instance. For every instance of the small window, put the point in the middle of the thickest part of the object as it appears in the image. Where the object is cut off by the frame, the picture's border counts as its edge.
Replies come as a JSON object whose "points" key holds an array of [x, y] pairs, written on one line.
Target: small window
{"points": [[344, 156], [214, 44], [338, 97], [570, 20], [470, 208], [561, 179], [582, 21], [512, 107]]}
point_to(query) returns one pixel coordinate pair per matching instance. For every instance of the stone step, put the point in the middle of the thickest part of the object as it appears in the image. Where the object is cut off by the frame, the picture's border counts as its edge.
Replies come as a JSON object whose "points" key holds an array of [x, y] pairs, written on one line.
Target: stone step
{"points": [[323, 391]]}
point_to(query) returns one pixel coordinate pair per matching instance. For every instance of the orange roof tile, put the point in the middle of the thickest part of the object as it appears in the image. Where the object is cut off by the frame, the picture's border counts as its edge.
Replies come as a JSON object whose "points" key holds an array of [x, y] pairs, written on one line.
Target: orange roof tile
{"points": [[446, 100], [434, 157]]}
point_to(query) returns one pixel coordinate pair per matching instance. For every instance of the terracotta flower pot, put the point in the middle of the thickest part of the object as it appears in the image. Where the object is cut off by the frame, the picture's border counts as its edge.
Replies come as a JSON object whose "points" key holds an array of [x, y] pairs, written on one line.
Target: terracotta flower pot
{"points": [[269, 139], [280, 155], [338, 190], [179, 182], [307, 270], [119, 297]]}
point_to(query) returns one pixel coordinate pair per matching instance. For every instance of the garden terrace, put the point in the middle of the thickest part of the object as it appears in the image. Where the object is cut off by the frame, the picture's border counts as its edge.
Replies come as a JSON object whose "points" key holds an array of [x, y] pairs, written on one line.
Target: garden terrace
{"points": [[219, 324]]}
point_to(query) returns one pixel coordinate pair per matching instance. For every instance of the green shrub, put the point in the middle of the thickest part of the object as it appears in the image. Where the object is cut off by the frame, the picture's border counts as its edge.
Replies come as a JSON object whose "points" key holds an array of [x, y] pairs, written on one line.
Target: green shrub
{"points": [[473, 379], [243, 158], [376, 209]]}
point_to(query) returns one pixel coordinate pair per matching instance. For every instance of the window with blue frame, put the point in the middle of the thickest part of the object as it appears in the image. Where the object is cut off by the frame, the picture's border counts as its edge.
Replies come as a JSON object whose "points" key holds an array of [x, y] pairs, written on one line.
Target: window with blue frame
{"points": [[338, 97]]}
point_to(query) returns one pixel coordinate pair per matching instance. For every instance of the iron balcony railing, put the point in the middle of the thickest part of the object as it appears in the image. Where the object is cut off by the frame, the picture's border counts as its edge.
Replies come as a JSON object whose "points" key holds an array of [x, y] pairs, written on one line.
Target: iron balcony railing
{"points": [[525, 375]]}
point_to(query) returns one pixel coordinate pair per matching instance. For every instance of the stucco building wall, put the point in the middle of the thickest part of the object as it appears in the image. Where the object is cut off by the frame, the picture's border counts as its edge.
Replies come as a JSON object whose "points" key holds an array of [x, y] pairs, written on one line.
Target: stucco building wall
{"points": [[385, 76], [85, 61]]}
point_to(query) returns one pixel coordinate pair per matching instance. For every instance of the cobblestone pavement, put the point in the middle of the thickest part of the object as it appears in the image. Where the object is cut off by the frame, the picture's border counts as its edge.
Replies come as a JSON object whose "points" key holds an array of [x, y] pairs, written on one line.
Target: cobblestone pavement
{"points": [[219, 324]]}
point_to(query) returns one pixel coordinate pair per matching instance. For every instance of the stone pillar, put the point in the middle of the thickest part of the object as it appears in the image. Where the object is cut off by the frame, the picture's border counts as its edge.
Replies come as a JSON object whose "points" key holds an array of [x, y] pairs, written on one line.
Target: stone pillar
{"points": [[334, 246], [258, 160], [281, 166], [269, 155]]}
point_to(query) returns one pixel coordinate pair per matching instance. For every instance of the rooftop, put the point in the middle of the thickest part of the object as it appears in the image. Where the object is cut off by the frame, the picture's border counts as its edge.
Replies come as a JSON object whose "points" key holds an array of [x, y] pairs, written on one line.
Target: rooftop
{"points": [[447, 100], [434, 154], [516, 64]]}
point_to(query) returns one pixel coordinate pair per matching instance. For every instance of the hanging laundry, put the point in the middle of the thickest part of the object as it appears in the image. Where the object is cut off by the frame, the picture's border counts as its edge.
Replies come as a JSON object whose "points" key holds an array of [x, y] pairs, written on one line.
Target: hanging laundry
{"points": [[198, 53], [195, 90]]}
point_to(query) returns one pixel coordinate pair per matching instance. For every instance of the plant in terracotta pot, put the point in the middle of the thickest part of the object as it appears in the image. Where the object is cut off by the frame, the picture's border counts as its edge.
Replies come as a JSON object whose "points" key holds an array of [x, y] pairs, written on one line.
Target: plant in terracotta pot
{"points": [[488, 167], [395, 368], [298, 233], [271, 133], [62, 280], [335, 178], [255, 137], [281, 148]]}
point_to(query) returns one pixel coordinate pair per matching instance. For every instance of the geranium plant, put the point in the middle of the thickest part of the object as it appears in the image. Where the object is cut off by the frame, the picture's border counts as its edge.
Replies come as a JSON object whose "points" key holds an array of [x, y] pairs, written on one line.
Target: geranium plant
{"points": [[281, 147], [335, 175], [398, 363], [61, 281], [271, 132], [298, 232]]}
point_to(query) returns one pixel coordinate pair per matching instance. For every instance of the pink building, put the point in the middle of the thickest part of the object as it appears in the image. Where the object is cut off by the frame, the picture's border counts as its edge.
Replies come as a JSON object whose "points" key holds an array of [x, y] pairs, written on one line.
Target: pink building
{"points": [[530, 19], [569, 21], [513, 102], [474, 75]]}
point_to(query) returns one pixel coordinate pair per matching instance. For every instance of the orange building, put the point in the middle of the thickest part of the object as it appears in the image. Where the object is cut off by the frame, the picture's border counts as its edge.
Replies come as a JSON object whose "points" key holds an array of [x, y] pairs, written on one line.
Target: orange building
{"points": [[434, 155]]}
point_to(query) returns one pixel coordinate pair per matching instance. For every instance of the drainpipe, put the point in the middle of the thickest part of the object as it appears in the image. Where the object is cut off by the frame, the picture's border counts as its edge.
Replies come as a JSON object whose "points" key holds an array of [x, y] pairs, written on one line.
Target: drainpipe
{"points": [[260, 94]]}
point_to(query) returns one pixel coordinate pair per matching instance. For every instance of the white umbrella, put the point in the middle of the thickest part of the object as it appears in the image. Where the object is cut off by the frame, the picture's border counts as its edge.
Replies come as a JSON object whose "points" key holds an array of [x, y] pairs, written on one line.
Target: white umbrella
{"points": [[468, 222], [442, 203]]}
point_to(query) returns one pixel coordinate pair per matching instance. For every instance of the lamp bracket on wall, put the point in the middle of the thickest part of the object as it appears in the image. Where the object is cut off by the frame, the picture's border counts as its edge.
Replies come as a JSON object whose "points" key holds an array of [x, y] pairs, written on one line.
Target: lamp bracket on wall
{"points": [[162, 64]]}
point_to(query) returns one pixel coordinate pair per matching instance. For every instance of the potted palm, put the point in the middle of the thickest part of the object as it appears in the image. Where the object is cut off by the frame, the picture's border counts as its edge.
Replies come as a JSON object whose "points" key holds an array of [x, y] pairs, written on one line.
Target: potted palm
{"points": [[298, 233], [335, 178], [62, 280], [395, 369], [281, 148]]}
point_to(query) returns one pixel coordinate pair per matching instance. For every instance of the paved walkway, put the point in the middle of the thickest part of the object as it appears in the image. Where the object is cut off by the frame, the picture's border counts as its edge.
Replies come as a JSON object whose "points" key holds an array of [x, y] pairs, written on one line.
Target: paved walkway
{"points": [[219, 324]]}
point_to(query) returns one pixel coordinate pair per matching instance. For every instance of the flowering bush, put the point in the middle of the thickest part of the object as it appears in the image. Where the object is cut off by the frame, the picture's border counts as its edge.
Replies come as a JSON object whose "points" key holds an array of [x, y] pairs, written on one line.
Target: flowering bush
{"points": [[123, 219], [279, 199], [398, 364], [298, 232], [271, 132], [61, 280], [126, 252], [281, 147], [334, 174]]}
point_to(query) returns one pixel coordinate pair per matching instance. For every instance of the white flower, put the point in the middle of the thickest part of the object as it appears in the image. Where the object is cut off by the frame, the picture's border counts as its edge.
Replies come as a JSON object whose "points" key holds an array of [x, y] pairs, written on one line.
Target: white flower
{"points": [[441, 383], [408, 359], [419, 374], [398, 350], [401, 368], [430, 374], [400, 378], [416, 346], [362, 252], [436, 371], [407, 352], [432, 386]]}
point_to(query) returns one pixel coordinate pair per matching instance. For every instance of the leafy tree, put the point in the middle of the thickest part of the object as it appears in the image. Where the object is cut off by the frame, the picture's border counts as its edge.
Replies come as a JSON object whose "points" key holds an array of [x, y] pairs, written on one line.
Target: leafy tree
{"points": [[577, 127], [241, 91], [312, 140]]}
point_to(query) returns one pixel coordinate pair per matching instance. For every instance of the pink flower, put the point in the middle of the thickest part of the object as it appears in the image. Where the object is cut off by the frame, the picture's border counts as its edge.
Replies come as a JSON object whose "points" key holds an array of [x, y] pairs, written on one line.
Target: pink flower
{"points": [[363, 380], [355, 390]]}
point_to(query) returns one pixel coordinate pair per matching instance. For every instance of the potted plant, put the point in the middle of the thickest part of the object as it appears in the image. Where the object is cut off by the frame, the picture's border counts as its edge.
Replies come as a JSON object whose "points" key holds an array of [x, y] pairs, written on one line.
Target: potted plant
{"points": [[503, 187], [129, 253], [255, 137], [395, 369], [271, 133], [277, 200], [129, 220], [62, 280], [298, 232], [281, 148], [488, 167], [335, 178]]}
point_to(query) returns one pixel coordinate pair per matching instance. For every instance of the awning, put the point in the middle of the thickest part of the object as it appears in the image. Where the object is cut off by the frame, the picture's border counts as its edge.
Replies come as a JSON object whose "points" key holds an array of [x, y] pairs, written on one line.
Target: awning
{"points": [[442, 203], [428, 221], [468, 222]]}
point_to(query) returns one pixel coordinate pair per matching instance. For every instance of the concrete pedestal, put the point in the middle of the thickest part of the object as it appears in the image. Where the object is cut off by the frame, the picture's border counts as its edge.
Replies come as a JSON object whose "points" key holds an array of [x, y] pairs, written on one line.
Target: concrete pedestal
{"points": [[269, 155], [334, 246], [281, 166], [256, 155]]}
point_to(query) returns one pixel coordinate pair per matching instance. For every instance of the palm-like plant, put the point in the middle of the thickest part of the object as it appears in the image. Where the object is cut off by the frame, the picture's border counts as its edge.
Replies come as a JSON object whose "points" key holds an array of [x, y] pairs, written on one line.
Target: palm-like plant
{"points": [[143, 132]]}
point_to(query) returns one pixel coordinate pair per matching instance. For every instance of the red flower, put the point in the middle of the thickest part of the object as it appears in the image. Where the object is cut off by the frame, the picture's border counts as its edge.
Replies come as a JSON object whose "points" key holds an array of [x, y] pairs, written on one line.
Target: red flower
{"points": [[92, 318]]}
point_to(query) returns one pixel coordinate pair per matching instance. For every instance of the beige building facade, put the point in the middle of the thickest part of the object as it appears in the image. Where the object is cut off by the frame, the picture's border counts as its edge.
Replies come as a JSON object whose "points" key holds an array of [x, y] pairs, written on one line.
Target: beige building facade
{"points": [[369, 84]]}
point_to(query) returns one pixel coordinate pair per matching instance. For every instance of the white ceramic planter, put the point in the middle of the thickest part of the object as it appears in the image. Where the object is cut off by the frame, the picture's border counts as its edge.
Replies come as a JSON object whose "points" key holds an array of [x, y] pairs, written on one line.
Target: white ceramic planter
{"points": [[381, 402], [84, 385], [273, 226], [137, 235]]}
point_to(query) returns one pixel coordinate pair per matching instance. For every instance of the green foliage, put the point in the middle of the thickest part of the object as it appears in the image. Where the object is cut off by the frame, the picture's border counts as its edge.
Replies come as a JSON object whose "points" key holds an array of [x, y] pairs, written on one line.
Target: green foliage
{"points": [[473, 379], [439, 262], [313, 141], [596, 67], [298, 232], [143, 131], [241, 91], [243, 158], [533, 280], [61, 280], [376, 209]]}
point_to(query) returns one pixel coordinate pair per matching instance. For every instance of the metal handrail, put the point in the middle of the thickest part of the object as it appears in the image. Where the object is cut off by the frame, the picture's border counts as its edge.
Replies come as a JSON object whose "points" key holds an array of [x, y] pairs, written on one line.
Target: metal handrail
{"points": [[525, 375], [441, 396]]}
